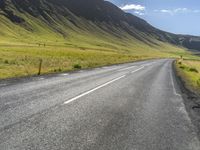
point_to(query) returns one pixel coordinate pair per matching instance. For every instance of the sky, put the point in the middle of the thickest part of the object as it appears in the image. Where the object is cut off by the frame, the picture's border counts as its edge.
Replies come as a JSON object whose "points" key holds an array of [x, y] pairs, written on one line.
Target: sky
{"points": [[176, 16]]}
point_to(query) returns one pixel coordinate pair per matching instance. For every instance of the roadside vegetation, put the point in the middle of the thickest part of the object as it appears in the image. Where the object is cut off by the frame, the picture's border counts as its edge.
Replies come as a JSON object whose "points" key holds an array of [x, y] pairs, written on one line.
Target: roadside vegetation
{"points": [[24, 47], [24, 60], [22, 50], [189, 71], [21, 57]]}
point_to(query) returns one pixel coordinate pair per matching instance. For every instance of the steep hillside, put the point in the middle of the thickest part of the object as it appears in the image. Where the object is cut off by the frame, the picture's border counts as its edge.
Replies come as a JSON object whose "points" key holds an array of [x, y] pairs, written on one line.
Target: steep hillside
{"points": [[73, 34], [62, 18]]}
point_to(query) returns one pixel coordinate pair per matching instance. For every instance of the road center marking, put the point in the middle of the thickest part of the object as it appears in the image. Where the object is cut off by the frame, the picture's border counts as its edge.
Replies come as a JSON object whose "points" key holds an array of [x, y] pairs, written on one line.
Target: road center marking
{"points": [[137, 69], [3, 84], [149, 64], [127, 68], [99, 87], [92, 90], [65, 74]]}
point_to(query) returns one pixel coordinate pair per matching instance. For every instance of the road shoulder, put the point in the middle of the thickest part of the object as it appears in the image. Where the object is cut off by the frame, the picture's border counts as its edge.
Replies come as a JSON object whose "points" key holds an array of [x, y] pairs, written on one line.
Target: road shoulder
{"points": [[191, 100]]}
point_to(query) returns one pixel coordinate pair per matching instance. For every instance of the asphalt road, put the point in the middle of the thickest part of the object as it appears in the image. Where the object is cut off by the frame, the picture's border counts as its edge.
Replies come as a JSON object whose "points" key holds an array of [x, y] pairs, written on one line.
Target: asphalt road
{"points": [[135, 106]]}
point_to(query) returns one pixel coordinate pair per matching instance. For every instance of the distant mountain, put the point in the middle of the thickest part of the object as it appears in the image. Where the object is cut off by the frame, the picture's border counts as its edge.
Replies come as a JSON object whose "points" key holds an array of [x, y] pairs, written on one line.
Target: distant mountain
{"points": [[87, 15]]}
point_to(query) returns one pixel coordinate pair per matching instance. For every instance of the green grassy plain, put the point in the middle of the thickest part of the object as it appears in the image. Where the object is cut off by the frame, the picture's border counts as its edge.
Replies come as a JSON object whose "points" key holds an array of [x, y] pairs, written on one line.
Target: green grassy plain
{"points": [[23, 60], [68, 46], [189, 70]]}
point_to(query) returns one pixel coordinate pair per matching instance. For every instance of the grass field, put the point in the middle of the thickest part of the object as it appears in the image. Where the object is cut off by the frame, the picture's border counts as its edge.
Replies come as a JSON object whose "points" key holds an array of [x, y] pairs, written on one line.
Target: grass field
{"points": [[20, 56], [23, 46], [16, 61], [189, 70]]}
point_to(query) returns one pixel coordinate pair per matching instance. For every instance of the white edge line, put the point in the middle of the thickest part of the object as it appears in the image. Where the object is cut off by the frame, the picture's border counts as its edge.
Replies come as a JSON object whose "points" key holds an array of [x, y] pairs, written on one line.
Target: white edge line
{"points": [[92, 90], [174, 89], [137, 69]]}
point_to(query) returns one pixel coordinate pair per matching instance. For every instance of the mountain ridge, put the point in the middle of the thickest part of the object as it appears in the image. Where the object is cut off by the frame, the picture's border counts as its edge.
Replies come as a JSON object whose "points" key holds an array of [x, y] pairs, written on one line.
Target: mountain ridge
{"points": [[106, 16]]}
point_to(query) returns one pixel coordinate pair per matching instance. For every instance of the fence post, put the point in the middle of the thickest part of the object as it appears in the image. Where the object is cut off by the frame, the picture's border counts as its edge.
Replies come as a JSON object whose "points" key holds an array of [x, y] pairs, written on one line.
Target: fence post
{"points": [[40, 67]]}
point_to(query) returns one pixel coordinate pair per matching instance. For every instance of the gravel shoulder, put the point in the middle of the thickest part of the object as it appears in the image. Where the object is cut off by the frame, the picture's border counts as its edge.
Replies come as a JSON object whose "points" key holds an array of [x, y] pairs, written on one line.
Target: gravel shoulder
{"points": [[191, 99]]}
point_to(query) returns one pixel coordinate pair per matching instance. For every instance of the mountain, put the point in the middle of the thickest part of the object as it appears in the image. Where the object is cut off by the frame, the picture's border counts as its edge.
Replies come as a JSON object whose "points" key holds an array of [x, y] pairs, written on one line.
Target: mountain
{"points": [[46, 20]]}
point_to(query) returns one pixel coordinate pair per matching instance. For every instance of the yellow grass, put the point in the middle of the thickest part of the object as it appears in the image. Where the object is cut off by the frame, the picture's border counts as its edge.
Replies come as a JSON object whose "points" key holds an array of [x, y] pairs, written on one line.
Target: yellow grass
{"points": [[189, 70]]}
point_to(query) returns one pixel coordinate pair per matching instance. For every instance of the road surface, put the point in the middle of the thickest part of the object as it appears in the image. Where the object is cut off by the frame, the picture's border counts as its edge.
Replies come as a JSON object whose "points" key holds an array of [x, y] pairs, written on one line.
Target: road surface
{"points": [[134, 106]]}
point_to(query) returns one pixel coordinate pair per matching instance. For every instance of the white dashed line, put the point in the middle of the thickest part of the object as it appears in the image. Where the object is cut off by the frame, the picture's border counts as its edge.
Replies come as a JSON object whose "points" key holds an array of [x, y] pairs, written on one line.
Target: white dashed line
{"points": [[41, 79], [90, 91], [99, 87], [149, 64], [2, 85], [137, 69], [126, 68], [65, 74]]}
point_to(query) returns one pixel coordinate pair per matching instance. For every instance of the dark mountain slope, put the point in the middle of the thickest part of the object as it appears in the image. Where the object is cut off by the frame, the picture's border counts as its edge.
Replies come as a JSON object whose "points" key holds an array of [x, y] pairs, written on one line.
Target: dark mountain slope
{"points": [[59, 14], [104, 11]]}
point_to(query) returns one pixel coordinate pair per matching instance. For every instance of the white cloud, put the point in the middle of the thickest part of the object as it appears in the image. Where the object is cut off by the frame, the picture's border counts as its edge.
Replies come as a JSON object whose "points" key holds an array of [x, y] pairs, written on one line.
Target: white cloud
{"points": [[133, 7], [166, 11], [139, 13], [177, 10], [181, 10]]}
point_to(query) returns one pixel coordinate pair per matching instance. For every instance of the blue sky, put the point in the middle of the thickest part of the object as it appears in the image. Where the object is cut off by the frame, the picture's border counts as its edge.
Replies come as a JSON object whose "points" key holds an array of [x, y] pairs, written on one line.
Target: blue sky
{"points": [[177, 16]]}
